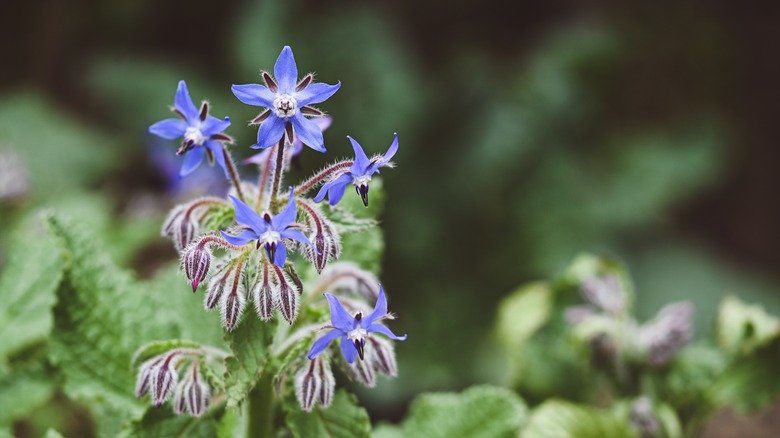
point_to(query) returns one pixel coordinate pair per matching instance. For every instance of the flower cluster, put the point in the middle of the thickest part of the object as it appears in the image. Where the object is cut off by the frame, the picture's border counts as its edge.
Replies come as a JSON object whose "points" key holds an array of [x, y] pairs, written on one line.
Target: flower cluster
{"points": [[248, 247]]}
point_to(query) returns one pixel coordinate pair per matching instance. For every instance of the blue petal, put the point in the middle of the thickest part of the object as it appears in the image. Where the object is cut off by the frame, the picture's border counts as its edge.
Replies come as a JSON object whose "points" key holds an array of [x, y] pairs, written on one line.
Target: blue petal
{"points": [[342, 180], [322, 343], [316, 93], [288, 216], [297, 235], [387, 157], [258, 158], [254, 94], [169, 129], [242, 239], [380, 309], [360, 166], [213, 125], [336, 191], [280, 256], [216, 148], [339, 317], [246, 216], [348, 350], [381, 328], [271, 131], [323, 122], [192, 160], [309, 133], [183, 102], [286, 71]]}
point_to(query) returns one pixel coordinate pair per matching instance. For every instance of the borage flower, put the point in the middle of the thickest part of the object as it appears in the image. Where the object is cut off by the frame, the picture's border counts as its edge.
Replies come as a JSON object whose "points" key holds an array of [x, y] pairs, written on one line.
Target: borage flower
{"points": [[353, 330], [359, 174], [267, 230], [291, 153], [288, 102], [202, 133]]}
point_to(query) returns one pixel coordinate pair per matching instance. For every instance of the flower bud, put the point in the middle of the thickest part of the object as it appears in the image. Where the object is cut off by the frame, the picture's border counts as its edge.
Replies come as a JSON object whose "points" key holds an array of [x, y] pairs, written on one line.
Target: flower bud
{"points": [[604, 292], [196, 392], [363, 370], [308, 384], [347, 276], [328, 382], [143, 383], [287, 292], [196, 263], [263, 294], [644, 419], [232, 291], [669, 332], [164, 377], [382, 356]]}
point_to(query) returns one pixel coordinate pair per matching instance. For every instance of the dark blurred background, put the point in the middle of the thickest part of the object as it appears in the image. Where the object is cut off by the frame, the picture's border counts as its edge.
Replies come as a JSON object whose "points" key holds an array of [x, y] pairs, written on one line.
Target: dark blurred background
{"points": [[529, 132]]}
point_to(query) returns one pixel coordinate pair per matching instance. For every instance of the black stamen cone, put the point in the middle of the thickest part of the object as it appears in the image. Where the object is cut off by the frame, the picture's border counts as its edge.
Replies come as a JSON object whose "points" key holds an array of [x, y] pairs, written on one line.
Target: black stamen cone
{"points": [[363, 191], [359, 344], [270, 249]]}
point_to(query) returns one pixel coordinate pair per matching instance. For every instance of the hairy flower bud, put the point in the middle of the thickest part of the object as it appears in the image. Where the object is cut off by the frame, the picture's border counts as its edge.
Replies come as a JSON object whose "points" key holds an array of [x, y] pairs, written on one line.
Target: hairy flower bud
{"points": [[328, 382], [192, 394], [220, 282], [347, 276], [287, 292], [668, 332], [144, 381], [324, 239], [230, 287], [164, 377], [644, 419], [382, 356], [263, 293], [604, 292], [363, 370], [196, 263], [308, 384]]}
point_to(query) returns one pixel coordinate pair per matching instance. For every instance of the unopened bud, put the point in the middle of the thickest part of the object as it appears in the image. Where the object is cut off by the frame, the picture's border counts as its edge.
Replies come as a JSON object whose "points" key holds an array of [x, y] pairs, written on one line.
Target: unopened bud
{"points": [[382, 356], [144, 381], [328, 382], [308, 384], [668, 333], [164, 377], [221, 283], [363, 371], [604, 292], [263, 294], [196, 262], [233, 299], [644, 419], [287, 292], [195, 393]]}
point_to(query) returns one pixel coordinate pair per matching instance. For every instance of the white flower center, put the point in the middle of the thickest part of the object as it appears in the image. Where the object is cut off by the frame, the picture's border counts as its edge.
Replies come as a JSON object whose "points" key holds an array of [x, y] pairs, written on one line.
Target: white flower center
{"points": [[270, 237], [361, 180], [285, 106], [194, 134], [357, 334]]}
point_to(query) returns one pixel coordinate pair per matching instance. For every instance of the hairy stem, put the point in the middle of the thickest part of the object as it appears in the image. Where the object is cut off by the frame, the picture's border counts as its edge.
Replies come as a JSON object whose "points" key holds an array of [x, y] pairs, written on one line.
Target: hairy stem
{"points": [[263, 181], [233, 173], [325, 173], [261, 408]]}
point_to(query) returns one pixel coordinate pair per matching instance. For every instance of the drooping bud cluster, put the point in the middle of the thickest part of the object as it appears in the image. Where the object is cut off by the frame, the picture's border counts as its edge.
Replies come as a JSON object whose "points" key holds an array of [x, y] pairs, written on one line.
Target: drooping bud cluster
{"points": [[315, 384], [668, 332], [161, 376], [379, 357]]}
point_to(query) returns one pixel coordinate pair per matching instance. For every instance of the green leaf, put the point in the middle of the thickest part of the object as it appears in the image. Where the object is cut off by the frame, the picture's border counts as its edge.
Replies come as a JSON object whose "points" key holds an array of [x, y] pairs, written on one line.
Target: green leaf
{"points": [[51, 433], [29, 278], [164, 423], [561, 419], [750, 382], [480, 411], [743, 328], [249, 343], [342, 419], [103, 315], [522, 313], [24, 390], [155, 348]]}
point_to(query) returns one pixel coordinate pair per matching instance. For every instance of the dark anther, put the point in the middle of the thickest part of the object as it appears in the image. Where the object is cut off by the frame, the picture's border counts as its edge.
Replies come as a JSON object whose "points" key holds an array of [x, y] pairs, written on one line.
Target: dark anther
{"points": [[363, 192], [360, 345], [267, 217], [270, 248]]}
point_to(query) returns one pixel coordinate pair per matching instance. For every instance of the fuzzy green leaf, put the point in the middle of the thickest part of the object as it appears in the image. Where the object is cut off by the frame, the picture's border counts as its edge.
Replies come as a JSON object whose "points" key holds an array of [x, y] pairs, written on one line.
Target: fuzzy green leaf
{"points": [[29, 278], [24, 390], [164, 423], [342, 419], [480, 411], [750, 382], [522, 313], [561, 419], [249, 343]]}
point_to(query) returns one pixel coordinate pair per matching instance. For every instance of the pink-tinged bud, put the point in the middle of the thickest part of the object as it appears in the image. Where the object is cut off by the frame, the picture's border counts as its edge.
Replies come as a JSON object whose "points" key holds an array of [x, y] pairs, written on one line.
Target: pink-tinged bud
{"points": [[164, 377], [324, 239], [179, 401], [196, 263], [219, 283], [198, 397], [328, 385], [263, 294], [668, 332], [144, 381], [179, 227], [170, 222], [382, 356], [308, 384], [287, 292]]}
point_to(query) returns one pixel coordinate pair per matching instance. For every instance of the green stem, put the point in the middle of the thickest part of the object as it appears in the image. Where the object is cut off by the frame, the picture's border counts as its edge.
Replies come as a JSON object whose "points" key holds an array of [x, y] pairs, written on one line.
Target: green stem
{"points": [[278, 170], [261, 408]]}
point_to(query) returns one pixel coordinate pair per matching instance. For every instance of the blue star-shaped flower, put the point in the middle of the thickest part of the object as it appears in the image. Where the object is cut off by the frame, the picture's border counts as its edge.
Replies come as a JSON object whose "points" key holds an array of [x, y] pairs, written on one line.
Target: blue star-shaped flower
{"points": [[267, 230], [359, 174], [291, 153], [202, 133], [287, 102], [353, 329]]}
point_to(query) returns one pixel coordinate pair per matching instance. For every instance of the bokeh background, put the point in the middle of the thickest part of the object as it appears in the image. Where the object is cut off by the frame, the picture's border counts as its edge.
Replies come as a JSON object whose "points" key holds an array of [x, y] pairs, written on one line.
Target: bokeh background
{"points": [[530, 131]]}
